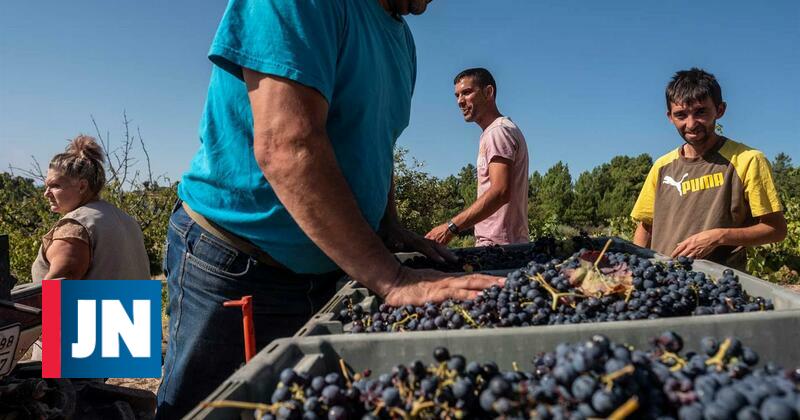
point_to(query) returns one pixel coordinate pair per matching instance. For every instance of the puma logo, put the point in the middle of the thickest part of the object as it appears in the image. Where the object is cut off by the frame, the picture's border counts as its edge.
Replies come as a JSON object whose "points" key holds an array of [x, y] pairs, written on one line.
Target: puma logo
{"points": [[677, 184]]}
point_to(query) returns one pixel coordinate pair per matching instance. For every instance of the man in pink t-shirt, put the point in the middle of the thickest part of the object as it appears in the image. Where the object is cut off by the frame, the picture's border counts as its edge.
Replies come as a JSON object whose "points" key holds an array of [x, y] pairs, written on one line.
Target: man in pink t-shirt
{"points": [[500, 214]]}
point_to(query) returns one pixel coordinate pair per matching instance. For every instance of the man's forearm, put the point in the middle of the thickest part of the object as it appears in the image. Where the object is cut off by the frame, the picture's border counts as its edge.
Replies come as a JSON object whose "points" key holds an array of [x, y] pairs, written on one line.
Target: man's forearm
{"points": [[309, 183], [293, 151], [643, 235], [758, 234], [485, 206]]}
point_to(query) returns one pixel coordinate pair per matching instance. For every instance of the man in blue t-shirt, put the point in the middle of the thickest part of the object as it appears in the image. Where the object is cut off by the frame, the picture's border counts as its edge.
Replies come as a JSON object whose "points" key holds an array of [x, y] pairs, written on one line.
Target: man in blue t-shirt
{"points": [[292, 181]]}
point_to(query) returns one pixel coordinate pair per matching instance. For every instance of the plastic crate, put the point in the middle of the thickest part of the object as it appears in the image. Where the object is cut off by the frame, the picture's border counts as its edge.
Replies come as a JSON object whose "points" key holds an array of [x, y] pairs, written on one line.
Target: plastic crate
{"points": [[325, 322], [317, 355]]}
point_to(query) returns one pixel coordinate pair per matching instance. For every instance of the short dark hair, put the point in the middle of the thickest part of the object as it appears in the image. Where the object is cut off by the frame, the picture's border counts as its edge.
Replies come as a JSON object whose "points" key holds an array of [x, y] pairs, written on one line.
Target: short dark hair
{"points": [[693, 85], [481, 75]]}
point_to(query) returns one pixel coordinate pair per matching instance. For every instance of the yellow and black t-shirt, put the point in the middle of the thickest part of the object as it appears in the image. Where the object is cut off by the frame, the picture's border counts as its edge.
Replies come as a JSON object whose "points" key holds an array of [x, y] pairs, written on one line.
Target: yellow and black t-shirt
{"points": [[728, 187]]}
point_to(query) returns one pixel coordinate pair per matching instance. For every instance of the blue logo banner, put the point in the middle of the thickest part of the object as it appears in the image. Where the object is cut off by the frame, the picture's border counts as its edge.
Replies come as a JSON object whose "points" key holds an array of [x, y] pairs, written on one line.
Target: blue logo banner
{"points": [[108, 328]]}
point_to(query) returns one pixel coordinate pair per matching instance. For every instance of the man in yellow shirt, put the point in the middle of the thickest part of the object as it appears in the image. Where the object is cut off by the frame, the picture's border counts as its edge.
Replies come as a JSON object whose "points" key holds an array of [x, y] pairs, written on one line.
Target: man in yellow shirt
{"points": [[712, 196]]}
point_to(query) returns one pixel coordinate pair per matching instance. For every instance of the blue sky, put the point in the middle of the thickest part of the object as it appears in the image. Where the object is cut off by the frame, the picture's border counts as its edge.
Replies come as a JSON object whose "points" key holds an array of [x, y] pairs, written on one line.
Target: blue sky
{"points": [[583, 79]]}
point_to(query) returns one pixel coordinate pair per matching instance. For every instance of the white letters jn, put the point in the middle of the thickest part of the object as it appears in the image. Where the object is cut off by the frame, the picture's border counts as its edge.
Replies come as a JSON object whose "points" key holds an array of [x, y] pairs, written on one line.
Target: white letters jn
{"points": [[116, 324]]}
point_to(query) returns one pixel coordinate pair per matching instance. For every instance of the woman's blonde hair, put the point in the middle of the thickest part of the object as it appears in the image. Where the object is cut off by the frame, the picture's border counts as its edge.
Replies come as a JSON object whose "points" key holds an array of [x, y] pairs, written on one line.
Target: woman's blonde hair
{"points": [[83, 159]]}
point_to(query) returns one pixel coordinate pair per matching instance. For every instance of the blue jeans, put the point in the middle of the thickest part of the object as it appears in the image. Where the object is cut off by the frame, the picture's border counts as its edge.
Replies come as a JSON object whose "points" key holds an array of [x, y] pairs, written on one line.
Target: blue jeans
{"points": [[206, 343]]}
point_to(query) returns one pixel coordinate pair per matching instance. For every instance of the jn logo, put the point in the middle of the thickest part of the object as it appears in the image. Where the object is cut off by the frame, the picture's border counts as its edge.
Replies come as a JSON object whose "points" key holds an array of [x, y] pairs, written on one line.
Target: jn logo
{"points": [[95, 328], [136, 333]]}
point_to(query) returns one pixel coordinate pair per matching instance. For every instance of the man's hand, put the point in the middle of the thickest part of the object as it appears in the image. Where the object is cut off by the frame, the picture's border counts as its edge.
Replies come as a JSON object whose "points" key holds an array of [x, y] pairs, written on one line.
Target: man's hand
{"points": [[416, 287], [770, 228], [699, 245], [440, 234], [400, 239]]}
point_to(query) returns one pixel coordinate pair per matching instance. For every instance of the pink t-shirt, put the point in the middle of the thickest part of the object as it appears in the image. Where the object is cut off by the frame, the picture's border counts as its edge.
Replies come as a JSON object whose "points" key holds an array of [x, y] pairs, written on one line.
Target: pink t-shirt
{"points": [[509, 224]]}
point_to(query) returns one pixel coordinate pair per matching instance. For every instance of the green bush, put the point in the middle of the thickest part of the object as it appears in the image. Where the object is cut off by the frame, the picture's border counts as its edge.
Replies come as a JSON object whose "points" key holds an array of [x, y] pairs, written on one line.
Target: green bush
{"points": [[25, 217], [780, 262]]}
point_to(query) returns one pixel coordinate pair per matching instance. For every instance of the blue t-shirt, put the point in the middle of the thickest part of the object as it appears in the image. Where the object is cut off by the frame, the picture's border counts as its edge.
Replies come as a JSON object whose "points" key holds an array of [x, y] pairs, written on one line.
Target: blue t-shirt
{"points": [[358, 57]]}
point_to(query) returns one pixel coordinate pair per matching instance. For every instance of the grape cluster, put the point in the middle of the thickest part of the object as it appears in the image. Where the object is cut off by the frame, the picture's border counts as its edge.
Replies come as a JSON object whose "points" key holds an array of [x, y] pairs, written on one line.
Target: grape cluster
{"points": [[488, 258], [594, 379], [542, 294]]}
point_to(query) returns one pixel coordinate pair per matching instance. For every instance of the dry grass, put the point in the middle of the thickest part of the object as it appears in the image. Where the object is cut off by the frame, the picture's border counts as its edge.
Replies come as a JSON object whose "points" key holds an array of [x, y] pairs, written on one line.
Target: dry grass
{"points": [[147, 384]]}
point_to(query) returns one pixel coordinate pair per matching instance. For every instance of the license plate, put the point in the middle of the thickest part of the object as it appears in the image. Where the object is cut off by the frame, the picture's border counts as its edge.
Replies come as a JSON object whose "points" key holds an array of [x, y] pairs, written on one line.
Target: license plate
{"points": [[9, 338]]}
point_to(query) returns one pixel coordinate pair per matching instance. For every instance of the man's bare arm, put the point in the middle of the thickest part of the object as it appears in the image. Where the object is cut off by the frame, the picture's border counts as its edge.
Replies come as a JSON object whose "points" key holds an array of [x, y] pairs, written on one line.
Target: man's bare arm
{"points": [[643, 235], [295, 155], [770, 228], [498, 194]]}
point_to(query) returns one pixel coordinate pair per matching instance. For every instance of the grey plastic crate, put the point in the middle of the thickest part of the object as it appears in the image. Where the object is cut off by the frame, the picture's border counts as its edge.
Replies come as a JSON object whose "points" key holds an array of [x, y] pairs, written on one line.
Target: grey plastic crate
{"points": [[325, 322], [771, 334]]}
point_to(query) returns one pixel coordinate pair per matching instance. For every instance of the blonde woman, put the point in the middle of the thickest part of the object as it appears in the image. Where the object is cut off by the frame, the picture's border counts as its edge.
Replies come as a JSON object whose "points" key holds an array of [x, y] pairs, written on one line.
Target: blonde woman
{"points": [[93, 240]]}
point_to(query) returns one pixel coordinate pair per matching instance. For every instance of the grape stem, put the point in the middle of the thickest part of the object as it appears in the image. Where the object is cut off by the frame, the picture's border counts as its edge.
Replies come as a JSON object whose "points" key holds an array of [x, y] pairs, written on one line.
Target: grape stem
{"points": [[625, 409], [719, 358], [403, 321], [260, 408], [419, 406], [679, 362], [603, 252], [463, 312], [378, 407], [693, 288], [345, 372], [298, 393], [544, 283], [613, 376], [400, 412], [237, 404], [405, 392], [554, 294]]}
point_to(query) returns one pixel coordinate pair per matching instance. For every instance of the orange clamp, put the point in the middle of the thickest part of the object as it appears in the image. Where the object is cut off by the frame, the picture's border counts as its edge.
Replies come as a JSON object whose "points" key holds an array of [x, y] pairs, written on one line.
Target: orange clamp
{"points": [[246, 302]]}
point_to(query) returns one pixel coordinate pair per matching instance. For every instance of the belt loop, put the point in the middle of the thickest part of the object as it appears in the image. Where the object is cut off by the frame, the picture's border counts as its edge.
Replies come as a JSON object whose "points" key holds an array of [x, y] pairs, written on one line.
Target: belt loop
{"points": [[178, 203]]}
